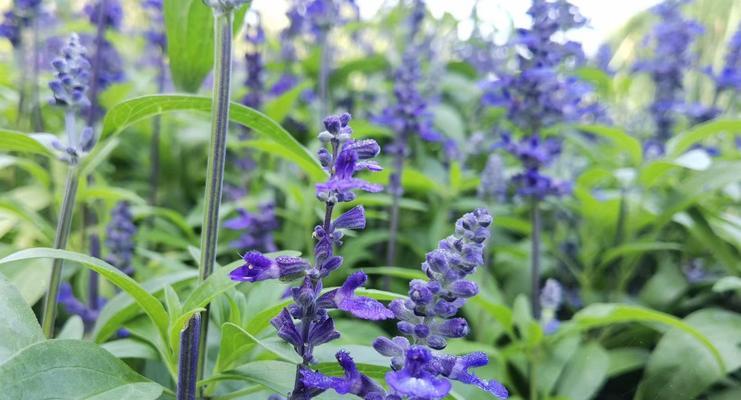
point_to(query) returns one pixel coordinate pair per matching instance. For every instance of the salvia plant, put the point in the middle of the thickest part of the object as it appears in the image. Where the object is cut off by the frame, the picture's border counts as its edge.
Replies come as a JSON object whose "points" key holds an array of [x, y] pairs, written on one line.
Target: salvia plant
{"points": [[510, 212]]}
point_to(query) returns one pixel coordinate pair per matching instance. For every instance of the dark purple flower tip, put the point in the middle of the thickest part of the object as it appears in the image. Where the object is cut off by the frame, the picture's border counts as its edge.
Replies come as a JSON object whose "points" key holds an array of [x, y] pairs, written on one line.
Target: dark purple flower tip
{"points": [[332, 124], [391, 347], [365, 148], [359, 306], [437, 342], [419, 292], [452, 328], [447, 309], [322, 332], [403, 310], [287, 331], [354, 219], [463, 288], [291, 268], [256, 268], [352, 383]]}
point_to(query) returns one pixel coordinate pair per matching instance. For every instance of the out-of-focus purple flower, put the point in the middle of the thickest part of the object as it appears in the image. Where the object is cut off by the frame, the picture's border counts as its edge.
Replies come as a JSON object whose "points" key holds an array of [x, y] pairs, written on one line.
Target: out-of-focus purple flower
{"points": [[112, 13], [603, 57], [729, 76], [285, 83], [255, 81], [110, 68], [155, 32], [72, 74], [698, 113], [257, 228], [75, 307], [120, 234], [551, 298], [671, 39], [347, 156], [18, 18], [493, 185], [535, 153]]}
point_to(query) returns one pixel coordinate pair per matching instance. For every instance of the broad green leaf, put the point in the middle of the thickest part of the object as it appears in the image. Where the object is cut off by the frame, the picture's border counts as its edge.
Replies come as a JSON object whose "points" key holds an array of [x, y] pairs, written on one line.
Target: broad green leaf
{"points": [[619, 138], [140, 108], [278, 108], [274, 375], [130, 348], [626, 359], [190, 40], [72, 369], [21, 142], [727, 283], [681, 369], [73, 328], [18, 325], [149, 303], [123, 307], [680, 143], [585, 372], [218, 282], [606, 314], [554, 357]]}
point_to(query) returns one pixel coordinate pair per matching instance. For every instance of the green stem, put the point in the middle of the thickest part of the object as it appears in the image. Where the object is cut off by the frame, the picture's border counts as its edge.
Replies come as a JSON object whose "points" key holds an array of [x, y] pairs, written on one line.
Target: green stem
{"points": [[223, 21], [60, 242], [535, 260]]}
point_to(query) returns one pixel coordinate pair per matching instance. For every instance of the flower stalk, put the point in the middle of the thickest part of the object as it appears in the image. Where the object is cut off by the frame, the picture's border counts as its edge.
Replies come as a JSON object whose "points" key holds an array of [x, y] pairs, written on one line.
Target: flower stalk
{"points": [[60, 242], [535, 258], [223, 21], [188, 359]]}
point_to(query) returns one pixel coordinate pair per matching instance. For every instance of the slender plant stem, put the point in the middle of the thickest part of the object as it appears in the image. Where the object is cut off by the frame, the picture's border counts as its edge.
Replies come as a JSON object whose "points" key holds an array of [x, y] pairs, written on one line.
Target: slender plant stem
{"points": [[154, 149], [188, 359], [535, 259], [324, 65], [93, 295], [60, 242], [223, 21], [396, 190]]}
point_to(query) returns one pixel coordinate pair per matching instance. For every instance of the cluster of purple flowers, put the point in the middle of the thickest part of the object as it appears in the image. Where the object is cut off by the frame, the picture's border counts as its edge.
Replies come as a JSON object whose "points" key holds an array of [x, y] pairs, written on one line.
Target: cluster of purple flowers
{"points": [[672, 39], [535, 153], [729, 78], [17, 18], [539, 95], [120, 238], [551, 298], [108, 65], [257, 228], [155, 33], [493, 185], [306, 323], [420, 371], [255, 80]]}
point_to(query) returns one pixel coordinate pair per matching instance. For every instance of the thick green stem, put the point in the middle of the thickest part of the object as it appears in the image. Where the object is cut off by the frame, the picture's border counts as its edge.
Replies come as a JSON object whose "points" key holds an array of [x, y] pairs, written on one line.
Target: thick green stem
{"points": [[535, 260], [223, 21], [60, 242]]}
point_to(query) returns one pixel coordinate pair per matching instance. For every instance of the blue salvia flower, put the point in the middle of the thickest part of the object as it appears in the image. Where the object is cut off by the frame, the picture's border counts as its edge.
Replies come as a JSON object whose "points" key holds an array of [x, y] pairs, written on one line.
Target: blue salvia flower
{"points": [[110, 67], [255, 81], [306, 323], [257, 228], [551, 298], [539, 95], [120, 234], [155, 33], [111, 15], [18, 18], [603, 58], [730, 76], [74, 306], [420, 371], [672, 39], [493, 185]]}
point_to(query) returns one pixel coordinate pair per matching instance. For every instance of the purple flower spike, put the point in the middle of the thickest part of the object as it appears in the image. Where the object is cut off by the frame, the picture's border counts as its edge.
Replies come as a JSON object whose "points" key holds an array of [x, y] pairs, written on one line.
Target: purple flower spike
{"points": [[362, 307], [417, 379]]}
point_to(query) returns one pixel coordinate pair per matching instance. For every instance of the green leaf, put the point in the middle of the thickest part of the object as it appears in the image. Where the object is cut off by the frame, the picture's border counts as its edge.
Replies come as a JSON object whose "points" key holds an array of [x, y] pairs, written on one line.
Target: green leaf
{"points": [[21, 142], [275, 375], [680, 143], [18, 325], [149, 303], [123, 307], [73, 328], [367, 65], [605, 314], [585, 372], [619, 138], [681, 369], [278, 108], [72, 369], [556, 356], [140, 108], [190, 41], [727, 283], [626, 359], [637, 248], [130, 348]]}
